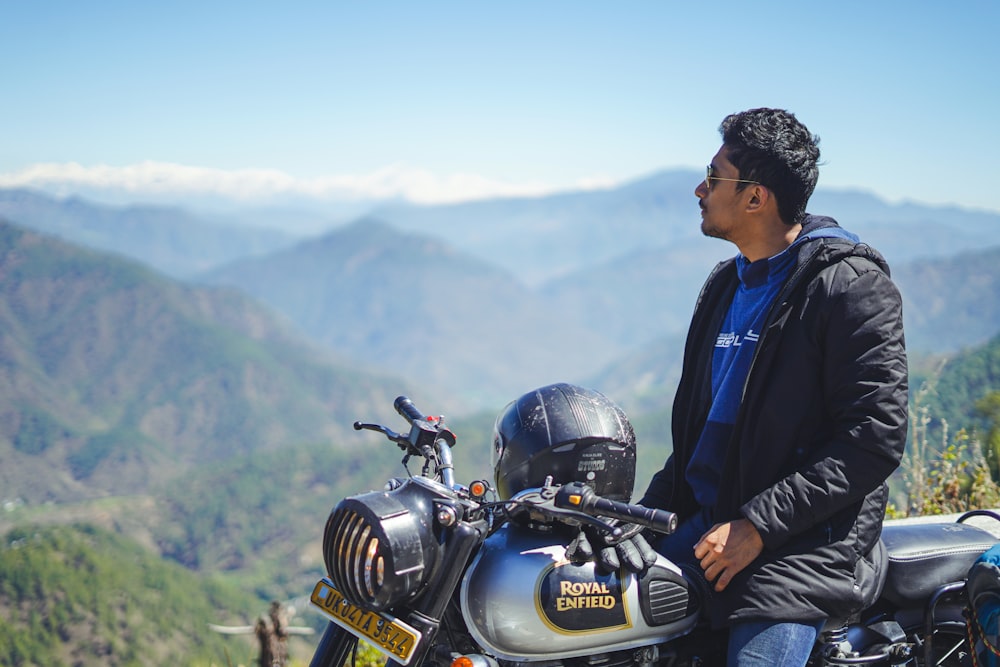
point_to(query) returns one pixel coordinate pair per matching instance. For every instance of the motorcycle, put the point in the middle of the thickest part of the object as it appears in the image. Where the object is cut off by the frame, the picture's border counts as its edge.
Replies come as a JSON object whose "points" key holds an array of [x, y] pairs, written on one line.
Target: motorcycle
{"points": [[433, 572]]}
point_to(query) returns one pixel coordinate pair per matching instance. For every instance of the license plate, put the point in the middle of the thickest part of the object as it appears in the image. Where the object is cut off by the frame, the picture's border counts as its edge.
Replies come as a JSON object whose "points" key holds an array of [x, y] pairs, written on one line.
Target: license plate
{"points": [[388, 634]]}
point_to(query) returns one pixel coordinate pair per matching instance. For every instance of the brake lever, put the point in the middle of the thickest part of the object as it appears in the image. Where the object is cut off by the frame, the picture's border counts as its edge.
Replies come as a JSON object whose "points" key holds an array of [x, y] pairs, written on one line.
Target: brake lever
{"points": [[401, 440], [542, 501]]}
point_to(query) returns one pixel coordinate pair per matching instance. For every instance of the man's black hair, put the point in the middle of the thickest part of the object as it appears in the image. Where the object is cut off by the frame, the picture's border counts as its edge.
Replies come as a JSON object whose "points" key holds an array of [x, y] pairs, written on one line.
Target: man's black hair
{"points": [[772, 147]]}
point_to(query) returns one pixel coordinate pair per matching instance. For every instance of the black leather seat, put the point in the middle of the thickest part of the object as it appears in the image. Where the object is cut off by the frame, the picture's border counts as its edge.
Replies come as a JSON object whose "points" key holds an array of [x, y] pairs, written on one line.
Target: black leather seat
{"points": [[924, 556]]}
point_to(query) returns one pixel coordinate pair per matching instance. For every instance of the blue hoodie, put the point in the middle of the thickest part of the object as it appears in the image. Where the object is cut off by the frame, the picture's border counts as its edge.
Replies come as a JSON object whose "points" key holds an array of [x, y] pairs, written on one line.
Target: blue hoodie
{"points": [[760, 283]]}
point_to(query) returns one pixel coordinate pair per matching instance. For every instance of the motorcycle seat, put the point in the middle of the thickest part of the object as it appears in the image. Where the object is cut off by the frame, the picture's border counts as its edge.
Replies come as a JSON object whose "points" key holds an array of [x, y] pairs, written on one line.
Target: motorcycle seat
{"points": [[924, 556]]}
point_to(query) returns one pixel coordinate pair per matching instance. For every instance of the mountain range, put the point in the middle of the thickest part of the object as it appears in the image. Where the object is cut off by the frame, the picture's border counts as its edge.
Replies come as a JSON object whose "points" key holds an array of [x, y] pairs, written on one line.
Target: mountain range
{"points": [[534, 238], [173, 239], [482, 300], [539, 239]]}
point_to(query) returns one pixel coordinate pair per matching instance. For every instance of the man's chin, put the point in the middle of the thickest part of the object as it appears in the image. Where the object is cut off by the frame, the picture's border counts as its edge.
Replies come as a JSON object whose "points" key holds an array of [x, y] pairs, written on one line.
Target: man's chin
{"points": [[710, 231]]}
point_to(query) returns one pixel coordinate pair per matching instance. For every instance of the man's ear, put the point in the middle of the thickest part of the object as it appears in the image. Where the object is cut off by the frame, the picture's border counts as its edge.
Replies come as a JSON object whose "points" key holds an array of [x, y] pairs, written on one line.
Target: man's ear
{"points": [[759, 198]]}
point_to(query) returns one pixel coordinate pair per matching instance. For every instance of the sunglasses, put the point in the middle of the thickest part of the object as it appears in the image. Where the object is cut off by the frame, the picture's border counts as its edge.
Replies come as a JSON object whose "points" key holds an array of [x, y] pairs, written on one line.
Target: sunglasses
{"points": [[709, 177]]}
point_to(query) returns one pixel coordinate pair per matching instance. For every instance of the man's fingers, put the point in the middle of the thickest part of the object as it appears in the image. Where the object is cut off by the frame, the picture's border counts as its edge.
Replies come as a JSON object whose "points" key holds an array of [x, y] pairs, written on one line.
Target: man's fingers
{"points": [[579, 550], [608, 559], [723, 581], [719, 573], [714, 539]]}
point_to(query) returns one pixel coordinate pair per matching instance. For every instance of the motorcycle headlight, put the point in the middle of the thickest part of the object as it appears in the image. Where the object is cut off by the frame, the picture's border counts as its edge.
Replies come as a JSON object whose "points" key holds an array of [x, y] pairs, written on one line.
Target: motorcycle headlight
{"points": [[379, 547]]}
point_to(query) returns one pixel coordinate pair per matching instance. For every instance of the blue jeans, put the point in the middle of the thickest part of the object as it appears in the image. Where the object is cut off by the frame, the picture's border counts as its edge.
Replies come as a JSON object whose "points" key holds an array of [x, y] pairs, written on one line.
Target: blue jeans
{"points": [[771, 643], [751, 643]]}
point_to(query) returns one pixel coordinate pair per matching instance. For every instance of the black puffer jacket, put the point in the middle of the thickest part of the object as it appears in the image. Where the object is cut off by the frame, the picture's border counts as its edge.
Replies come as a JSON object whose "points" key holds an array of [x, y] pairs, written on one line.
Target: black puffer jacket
{"points": [[821, 426]]}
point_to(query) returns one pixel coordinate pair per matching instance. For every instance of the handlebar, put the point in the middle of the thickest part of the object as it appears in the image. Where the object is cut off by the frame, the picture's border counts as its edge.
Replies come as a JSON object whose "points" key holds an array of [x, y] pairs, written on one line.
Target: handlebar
{"points": [[574, 502], [407, 409], [580, 497], [424, 431], [428, 437]]}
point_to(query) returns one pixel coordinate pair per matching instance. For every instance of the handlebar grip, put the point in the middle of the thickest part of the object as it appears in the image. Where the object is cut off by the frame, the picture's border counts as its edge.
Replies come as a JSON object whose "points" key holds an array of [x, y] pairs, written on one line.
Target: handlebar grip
{"points": [[661, 521], [581, 497], [407, 410]]}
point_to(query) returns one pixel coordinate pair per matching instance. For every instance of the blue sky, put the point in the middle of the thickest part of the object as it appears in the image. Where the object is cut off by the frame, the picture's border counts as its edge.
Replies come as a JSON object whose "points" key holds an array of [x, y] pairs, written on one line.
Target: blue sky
{"points": [[440, 101]]}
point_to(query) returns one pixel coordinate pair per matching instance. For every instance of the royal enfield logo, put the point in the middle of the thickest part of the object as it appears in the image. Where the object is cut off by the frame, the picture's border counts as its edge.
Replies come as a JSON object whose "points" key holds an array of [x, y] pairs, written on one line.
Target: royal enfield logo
{"points": [[584, 595], [574, 598]]}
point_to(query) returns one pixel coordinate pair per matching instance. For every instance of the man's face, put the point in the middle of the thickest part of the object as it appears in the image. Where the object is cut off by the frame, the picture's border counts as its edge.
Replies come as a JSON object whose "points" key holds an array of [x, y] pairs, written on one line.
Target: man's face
{"points": [[721, 203]]}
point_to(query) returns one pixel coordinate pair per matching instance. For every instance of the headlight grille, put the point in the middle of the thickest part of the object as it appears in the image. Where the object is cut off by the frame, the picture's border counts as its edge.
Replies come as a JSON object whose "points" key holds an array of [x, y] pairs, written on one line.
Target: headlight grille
{"points": [[358, 569], [374, 548]]}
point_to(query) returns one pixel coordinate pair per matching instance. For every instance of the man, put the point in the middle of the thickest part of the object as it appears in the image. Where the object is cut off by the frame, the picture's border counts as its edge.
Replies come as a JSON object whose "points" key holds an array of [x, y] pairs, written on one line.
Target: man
{"points": [[791, 411]]}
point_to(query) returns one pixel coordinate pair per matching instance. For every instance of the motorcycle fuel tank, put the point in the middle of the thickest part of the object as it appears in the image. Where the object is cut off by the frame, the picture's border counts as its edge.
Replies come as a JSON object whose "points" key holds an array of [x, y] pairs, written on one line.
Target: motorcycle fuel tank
{"points": [[523, 601]]}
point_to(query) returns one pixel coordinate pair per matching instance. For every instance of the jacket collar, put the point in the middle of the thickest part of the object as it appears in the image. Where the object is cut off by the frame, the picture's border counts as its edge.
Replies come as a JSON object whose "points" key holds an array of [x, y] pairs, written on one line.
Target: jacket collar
{"points": [[828, 241]]}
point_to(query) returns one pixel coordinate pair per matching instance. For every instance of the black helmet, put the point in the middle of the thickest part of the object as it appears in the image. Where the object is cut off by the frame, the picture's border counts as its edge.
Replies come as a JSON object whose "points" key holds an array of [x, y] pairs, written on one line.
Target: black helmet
{"points": [[568, 432]]}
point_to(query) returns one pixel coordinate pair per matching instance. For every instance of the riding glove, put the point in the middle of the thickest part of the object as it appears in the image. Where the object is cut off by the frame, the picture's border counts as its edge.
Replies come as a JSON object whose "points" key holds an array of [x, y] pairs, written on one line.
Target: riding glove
{"points": [[628, 550]]}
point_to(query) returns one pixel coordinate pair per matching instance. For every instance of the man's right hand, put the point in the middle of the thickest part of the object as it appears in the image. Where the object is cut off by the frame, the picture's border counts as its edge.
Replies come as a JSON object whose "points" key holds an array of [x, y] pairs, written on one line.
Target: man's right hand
{"points": [[726, 549]]}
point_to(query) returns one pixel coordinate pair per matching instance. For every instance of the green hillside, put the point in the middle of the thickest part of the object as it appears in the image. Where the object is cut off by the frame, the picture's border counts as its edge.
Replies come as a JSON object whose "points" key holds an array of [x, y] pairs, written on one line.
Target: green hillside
{"points": [[80, 596], [116, 378], [957, 384]]}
